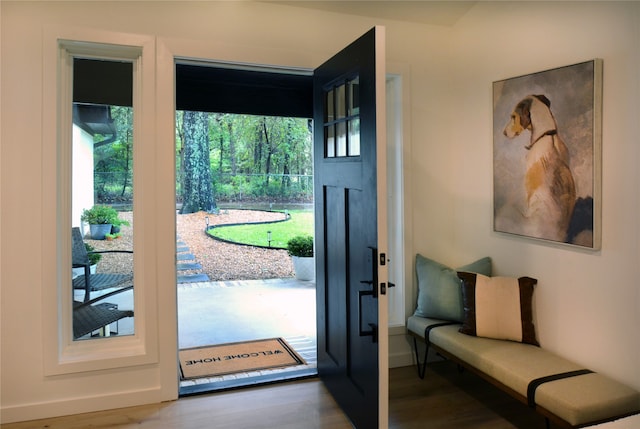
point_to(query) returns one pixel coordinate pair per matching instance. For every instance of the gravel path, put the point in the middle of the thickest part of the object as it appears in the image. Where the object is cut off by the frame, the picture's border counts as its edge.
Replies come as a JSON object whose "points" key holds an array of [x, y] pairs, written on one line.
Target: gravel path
{"points": [[220, 261]]}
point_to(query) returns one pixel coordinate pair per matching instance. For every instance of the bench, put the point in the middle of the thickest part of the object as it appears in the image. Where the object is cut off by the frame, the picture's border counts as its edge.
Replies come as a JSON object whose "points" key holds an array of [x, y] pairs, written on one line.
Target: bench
{"points": [[563, 392], [485, 324], [623, 423]]}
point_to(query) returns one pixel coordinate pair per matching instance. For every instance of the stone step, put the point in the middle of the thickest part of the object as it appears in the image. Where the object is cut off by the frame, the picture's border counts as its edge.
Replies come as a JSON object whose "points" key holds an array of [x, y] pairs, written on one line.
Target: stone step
{"points": [[188, 266], [193, 278], [185, 257]]}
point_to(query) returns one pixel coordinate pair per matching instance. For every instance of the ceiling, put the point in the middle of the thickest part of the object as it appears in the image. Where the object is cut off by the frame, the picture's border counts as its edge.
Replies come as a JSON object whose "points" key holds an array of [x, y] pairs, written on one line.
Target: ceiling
{"points": [[445, 13]]}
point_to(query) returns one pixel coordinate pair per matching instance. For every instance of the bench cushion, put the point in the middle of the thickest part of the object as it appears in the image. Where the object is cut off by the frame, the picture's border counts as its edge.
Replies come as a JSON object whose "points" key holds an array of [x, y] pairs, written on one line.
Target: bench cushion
{"points": [[513, 364], [578, 400], [624, 423], [588, 398]]}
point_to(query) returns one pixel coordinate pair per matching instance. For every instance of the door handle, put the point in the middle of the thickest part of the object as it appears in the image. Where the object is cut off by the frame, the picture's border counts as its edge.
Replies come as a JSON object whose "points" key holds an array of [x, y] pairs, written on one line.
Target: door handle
{"points": [[374, 272], [373, 332]]}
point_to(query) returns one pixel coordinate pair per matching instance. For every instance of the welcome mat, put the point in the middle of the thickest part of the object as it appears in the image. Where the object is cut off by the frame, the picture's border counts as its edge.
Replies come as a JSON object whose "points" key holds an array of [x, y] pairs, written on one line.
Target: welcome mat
{"points": [[209, 361]]}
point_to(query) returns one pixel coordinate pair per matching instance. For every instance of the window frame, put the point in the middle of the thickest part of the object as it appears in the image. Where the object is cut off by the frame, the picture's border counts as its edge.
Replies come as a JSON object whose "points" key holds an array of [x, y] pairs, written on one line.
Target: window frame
{"points": [[63, 355]]}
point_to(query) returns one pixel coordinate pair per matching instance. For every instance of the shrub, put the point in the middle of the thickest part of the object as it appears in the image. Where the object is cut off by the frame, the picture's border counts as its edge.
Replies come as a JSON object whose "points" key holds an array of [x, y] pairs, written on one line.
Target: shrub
{"points": [[99, 214], [93, 257], [301, 246]]}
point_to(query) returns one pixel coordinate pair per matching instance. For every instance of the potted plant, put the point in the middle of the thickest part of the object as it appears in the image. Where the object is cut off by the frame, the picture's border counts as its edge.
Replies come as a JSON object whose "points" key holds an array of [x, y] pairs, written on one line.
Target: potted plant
{"points": [[100, 219], [117, 223], [300, 248]]}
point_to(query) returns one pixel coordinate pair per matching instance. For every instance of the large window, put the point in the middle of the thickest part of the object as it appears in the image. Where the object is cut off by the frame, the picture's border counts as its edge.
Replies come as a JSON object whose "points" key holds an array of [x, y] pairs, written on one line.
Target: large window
{"points": [[98, 122], [102, 198]]}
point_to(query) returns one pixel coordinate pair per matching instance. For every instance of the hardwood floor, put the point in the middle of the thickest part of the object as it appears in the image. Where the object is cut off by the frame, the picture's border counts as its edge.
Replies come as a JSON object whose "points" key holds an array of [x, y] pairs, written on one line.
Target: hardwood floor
{"points": [[445, 399], [449, 399]]}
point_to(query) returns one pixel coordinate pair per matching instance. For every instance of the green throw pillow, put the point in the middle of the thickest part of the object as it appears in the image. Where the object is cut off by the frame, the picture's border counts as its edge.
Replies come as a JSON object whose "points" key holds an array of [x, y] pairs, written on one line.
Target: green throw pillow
{"points": [[439, 288]]}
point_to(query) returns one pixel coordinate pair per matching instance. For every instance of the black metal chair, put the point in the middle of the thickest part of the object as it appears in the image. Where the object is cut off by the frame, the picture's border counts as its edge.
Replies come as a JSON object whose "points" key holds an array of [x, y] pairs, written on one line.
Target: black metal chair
{"points": [[93, 282], [89, 316], [96, 314]]}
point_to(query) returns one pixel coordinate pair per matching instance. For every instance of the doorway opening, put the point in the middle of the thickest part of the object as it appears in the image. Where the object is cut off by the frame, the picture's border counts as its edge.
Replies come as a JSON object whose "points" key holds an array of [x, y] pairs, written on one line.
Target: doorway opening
{"points": [[244, 189]]}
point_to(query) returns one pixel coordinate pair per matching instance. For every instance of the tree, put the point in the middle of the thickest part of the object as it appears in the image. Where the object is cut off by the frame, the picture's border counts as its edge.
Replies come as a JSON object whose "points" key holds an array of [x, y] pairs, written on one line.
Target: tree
{"points": [[197, 187], [123, 116], [113, 158], [247, 152]]}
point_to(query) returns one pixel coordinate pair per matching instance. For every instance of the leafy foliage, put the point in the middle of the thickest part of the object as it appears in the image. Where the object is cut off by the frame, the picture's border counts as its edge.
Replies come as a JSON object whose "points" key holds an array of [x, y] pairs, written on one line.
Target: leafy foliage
{"points": [[100, 214], [249, 158], [301, 245], [114, 161], [94, 258], [256, 157]]}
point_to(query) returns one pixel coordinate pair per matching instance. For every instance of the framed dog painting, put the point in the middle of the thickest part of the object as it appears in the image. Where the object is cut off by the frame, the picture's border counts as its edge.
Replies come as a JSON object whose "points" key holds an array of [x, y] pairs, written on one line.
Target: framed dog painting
{"points": [[547, 155]]}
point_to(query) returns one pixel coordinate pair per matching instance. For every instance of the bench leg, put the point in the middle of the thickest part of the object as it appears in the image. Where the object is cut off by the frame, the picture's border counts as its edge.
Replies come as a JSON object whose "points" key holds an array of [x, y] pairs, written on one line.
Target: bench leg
{"points": [[422, 367]]}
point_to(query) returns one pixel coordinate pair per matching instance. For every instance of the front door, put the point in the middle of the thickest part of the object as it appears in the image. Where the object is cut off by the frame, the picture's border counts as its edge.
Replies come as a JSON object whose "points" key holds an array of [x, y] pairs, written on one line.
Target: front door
{"points": [[350, 194]]}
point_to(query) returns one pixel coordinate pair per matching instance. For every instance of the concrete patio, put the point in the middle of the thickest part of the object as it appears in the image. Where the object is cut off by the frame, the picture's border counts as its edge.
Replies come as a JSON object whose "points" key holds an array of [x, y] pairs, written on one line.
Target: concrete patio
{"points": [[231, 311]]}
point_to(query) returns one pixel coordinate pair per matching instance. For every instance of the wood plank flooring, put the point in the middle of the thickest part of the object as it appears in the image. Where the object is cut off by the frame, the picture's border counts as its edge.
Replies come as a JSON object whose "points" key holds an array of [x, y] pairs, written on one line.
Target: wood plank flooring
{"points": [[446, 399], [450, 399]]}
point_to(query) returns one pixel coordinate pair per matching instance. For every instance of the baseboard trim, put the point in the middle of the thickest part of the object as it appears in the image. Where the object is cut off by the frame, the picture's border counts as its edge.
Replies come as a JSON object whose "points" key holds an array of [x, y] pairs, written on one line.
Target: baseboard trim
{"points": [[43, 410]]}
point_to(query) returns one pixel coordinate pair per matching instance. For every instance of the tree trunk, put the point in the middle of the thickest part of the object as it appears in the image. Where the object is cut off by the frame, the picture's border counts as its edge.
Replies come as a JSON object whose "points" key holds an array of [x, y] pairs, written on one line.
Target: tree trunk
{"points": [[232, 149], [127, 164], [257, 151], [286, 178], [180, 151], [221, 140], [197, 187], [267, 167]]}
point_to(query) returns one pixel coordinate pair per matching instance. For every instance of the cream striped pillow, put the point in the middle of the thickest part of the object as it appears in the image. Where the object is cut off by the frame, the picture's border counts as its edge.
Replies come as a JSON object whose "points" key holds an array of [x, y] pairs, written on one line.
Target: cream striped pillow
{"points": [[498, 307]]}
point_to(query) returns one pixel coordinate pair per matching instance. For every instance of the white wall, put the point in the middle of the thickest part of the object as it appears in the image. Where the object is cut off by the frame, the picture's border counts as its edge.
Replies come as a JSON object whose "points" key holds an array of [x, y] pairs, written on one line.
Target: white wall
{"points": [[230, 31], [588, 303], [82, 164]]}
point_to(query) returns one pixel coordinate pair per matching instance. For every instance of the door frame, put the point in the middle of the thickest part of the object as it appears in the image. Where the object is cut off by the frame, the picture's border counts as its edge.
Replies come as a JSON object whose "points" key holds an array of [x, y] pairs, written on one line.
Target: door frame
{"points": [[267, 81], [169, 51]]}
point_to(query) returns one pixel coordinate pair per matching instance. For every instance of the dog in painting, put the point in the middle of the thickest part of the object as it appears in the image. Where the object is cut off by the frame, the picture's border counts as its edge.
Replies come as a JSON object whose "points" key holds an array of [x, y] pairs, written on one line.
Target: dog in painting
{"points": [[549, 185]]}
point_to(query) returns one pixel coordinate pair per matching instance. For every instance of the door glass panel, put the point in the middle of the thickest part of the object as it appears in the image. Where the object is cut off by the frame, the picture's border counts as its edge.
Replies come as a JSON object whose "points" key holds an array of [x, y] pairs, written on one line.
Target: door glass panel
{"points": [[341, 103], [330, 116], [341, 139], [354, 97], [342, 129], [102, 199], [354, 137], [330, 141]]}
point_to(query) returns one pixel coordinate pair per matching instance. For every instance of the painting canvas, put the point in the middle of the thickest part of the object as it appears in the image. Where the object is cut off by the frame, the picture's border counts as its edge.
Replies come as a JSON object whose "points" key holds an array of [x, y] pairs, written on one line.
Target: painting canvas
{"points": [[546, 155]]}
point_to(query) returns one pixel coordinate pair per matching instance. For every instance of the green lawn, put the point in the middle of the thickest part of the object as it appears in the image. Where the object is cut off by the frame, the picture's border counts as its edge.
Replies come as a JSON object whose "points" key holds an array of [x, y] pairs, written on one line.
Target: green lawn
{"points": [[301, 223]]}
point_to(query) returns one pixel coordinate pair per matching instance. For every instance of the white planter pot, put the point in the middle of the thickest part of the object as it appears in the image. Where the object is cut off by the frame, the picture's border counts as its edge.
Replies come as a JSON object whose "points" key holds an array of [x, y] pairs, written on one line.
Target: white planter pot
{"points": [[305, 268]]}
